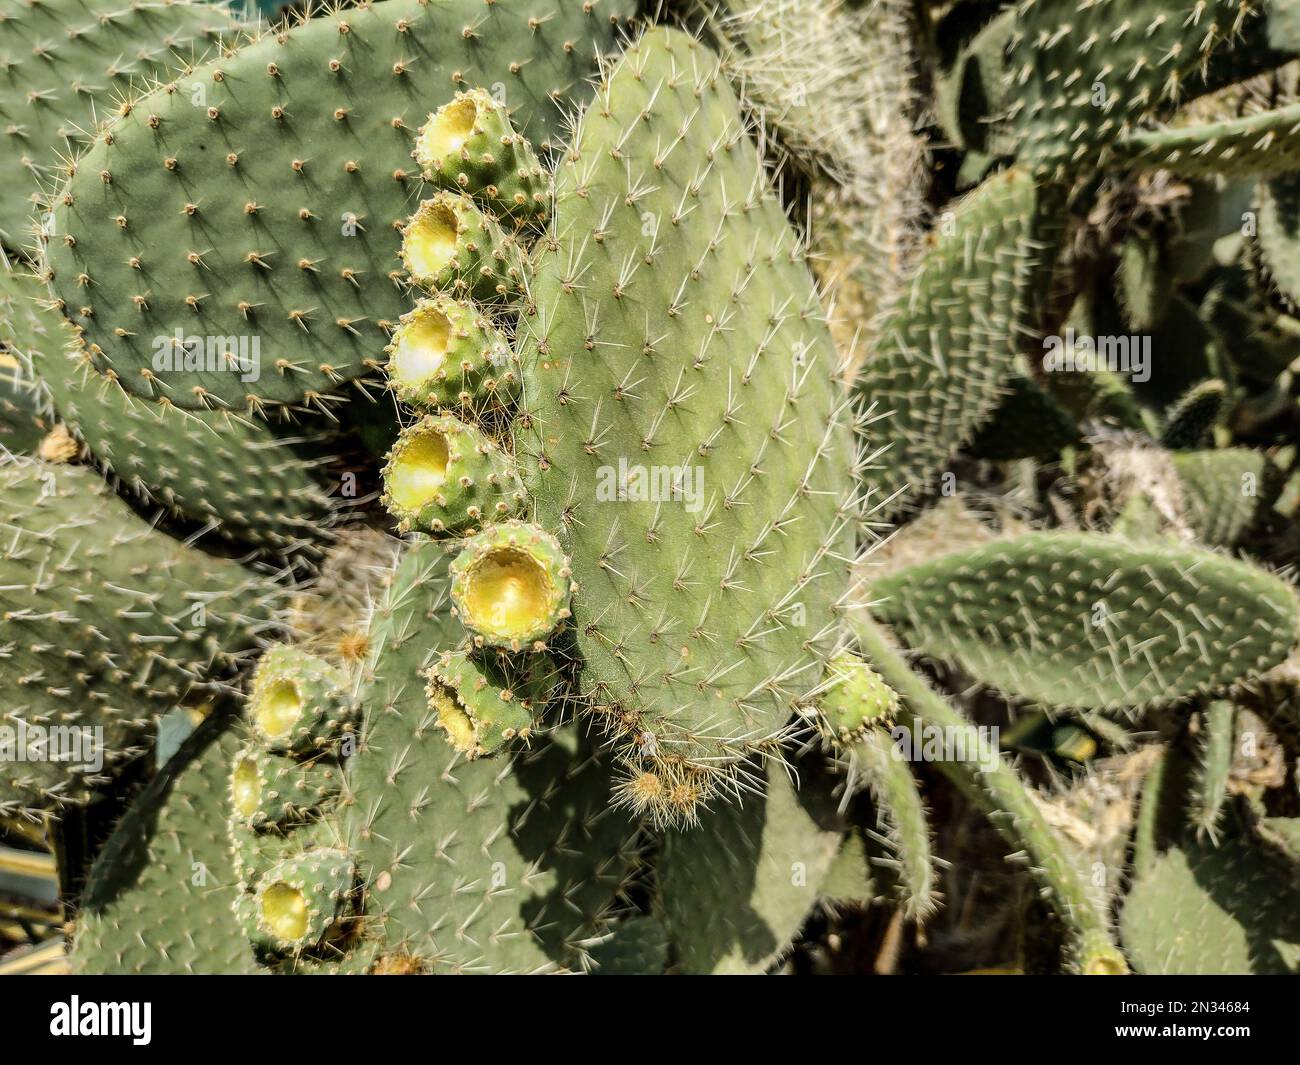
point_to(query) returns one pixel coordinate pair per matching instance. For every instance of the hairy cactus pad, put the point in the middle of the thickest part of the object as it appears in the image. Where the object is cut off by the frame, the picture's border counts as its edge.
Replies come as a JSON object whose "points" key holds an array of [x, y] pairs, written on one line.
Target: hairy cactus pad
{"points": [[255, 198], [107, 622], [161, 893], [1071, 619], [685, 433], [250, 483]]}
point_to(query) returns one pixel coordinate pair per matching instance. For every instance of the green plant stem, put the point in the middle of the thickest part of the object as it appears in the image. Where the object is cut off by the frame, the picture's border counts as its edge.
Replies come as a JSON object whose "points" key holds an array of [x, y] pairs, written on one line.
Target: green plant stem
{"points": [[1003, 797]]}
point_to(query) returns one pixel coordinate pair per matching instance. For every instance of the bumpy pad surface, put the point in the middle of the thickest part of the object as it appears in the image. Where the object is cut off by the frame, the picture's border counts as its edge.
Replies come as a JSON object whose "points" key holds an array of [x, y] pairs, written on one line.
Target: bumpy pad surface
{"points": [[107, 621], [686, 442], [1201, 910], [1082, 73], [66, 65], [954, 338], [1069, 619], [255, 200], [502, 865], [211, 466], [160, 895]]}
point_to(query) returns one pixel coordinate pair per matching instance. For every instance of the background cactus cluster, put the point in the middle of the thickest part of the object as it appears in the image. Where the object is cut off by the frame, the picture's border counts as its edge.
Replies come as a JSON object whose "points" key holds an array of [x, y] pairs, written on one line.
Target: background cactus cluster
{"points": [[525, 486]]}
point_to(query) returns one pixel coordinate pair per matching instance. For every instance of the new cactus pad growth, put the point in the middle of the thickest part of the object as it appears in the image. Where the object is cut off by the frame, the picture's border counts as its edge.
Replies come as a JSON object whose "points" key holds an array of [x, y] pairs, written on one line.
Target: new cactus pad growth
{"points": [[520, 486]]}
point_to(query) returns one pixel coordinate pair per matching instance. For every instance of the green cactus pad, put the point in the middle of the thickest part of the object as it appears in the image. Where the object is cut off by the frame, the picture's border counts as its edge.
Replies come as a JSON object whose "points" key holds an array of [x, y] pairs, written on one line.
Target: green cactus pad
{"points": [[1202, 910], [1082, 75], [213, 467], [511, 586], [487, 866], [1190, 422], [66, 65], [1262, 145], [469, 144], [1029, 423], [1222, 492], [270, 789], [450, 245], [638, 946], [476, 706], [1279, 233], [446, 477], [1209, 791], [1076, 620], [734, 891], [160, 893], [954, 340], [687, 438], [901, 822], [298, 702], [257, 198], [23, 421], [300, 898], [447, 355], [107, 623]]}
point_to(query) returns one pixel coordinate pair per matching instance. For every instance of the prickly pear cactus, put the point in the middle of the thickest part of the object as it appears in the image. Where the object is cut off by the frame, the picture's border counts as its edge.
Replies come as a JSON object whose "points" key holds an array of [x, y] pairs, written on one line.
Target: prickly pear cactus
{"points": [[272, 178], [600, 476], [683, 413]]}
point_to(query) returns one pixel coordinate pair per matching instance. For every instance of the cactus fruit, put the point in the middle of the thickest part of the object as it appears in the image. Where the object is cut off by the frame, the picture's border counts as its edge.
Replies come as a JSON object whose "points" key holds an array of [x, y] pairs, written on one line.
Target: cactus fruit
{"points": [[444, 476], [857, 700], [446, 355], [470, 143], [450, 245], [511, 586], [298, 899], [268, 789], [477, 707], [298, 703]]}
